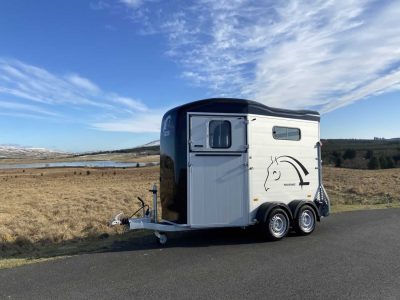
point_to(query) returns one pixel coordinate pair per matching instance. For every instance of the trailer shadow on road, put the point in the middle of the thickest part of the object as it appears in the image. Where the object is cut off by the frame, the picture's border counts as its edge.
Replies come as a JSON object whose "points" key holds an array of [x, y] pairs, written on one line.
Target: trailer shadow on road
{"points": [[195, 238], [131, 241]]}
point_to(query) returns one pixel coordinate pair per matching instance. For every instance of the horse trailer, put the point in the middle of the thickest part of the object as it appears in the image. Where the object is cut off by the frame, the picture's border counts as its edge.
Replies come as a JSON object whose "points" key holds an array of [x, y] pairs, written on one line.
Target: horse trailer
{"points": [[237, 163]]}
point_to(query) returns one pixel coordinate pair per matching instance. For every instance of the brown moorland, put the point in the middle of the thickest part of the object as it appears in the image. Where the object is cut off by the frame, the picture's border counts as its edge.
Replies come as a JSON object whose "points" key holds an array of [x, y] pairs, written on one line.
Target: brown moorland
{"points": [[64, 211], [59, 209]]}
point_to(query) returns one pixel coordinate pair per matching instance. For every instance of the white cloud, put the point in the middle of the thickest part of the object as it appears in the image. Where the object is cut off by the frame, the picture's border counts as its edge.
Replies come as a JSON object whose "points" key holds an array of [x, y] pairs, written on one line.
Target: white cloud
{"points": [[99, 5], [15, 106], [295, 54], [144, 122], [36, 92], [37, 84], [132, 3], [129, 102], [82, 82]]}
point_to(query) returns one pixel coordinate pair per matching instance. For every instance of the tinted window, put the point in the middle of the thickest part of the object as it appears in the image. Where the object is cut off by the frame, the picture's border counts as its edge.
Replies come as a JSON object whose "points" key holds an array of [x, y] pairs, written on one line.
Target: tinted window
{"points": [[286, 133], [220, 134]]}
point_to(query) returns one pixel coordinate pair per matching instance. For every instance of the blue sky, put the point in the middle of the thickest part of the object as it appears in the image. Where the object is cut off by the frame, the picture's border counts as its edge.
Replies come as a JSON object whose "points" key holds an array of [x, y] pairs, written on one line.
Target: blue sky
{"points": [[90, 75]]}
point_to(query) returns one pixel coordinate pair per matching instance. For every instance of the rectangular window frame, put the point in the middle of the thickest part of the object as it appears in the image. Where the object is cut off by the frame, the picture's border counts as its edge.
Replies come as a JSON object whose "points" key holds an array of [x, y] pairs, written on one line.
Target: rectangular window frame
{"points": [[230, 134], [286, 139]]}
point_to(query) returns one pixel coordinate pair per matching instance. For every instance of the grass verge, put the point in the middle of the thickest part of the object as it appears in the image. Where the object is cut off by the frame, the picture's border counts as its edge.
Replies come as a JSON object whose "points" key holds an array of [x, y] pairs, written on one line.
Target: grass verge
{"points": [[68, 249]]}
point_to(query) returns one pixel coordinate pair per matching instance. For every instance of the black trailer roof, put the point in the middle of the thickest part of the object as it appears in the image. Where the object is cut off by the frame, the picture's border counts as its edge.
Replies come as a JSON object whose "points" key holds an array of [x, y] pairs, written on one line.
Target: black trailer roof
{"points": [[243, 106]]}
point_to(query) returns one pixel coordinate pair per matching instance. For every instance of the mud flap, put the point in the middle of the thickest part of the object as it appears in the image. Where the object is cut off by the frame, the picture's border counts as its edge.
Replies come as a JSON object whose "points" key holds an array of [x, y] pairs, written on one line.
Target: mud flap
{"points": [[322, 202]]}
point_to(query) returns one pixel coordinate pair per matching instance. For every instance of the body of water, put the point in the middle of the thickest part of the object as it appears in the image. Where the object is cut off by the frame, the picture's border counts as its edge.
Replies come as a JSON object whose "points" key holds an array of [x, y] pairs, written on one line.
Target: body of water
{"points": [[71, 164]]}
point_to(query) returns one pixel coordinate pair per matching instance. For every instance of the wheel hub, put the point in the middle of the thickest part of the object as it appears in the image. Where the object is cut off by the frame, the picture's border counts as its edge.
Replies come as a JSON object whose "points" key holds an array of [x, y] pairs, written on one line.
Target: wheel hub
{"points": [[307, 221], [278, 225]]}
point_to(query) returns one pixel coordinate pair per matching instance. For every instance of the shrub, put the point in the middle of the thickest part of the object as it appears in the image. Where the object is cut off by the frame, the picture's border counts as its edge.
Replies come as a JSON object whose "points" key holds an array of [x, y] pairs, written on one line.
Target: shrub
{"points": [[389, 162], [382, 162], [396, 158], [88, 172], [349, 154], [369, 154], [373, 163], [338, 162]]}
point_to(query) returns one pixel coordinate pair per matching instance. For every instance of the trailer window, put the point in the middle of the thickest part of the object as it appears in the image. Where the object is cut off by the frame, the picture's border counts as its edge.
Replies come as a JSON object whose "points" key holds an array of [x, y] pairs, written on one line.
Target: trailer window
{"points": [[220, 134], [286, 133]]}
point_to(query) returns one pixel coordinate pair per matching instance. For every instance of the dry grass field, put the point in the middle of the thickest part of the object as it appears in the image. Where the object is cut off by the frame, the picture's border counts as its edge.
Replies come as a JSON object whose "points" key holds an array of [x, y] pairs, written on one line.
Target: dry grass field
{"points": [[47, 212], [362, 189], [56, 212]]}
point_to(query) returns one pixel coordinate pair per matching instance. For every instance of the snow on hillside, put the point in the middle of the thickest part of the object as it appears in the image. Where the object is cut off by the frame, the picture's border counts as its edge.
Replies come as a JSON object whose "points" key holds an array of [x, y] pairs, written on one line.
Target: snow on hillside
{"points": [[15, 151], [151, 144]]}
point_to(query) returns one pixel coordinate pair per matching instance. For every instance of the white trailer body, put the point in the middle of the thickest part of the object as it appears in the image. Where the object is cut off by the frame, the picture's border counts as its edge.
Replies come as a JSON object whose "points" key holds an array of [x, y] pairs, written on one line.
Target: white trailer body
{"points": [[282, 170], [226, 186], [236, 163]]}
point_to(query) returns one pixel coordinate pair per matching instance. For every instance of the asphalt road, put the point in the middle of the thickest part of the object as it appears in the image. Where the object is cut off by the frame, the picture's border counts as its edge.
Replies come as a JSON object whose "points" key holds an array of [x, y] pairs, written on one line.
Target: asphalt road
{"points": [[353, 255]]}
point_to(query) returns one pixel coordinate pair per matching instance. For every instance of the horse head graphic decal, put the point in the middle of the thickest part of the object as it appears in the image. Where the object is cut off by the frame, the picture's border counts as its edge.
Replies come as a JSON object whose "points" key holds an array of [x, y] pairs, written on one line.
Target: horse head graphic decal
{"points": [[274, 170]]}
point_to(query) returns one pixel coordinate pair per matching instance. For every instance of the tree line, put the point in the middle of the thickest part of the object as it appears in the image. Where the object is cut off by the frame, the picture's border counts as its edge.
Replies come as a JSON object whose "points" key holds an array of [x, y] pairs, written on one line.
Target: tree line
{"points": [[369, 159]]}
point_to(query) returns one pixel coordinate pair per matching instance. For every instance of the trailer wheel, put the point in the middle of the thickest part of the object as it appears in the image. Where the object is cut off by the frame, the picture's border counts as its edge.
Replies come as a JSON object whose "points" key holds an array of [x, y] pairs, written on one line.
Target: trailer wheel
{"points": [[276, 225], [162, 239], [305, 220]]}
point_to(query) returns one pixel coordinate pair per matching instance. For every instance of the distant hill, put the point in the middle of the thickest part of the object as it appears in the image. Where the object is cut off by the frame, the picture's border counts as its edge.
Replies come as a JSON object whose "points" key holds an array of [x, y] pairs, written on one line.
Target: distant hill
{"points": [[347, 153], [151, 144], [16, 151], [151, 148]]}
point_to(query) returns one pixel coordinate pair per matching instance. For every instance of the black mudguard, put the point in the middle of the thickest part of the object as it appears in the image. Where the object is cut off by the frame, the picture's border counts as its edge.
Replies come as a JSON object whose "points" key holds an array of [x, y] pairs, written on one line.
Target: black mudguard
{"points": [[265, 208], [295, 206]]}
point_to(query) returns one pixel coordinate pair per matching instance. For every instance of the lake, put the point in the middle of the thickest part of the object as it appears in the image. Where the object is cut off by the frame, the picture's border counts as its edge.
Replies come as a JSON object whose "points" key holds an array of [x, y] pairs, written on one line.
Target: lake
{"points": [[71, 164]]}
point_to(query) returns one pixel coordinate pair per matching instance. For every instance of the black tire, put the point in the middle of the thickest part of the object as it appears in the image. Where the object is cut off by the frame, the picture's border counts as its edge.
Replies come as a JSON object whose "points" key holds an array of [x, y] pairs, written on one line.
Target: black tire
{"points": [[276, 225], [305, 221]]}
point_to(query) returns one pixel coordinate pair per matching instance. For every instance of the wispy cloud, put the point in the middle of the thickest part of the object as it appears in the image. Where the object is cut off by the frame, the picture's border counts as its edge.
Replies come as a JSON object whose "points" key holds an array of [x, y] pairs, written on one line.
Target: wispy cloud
{"points": [[83, 83], [135, 124], [132, 3], [37, 84], [32, 91], [99, 5], [17, 107], [319, 54], [130, 103]]}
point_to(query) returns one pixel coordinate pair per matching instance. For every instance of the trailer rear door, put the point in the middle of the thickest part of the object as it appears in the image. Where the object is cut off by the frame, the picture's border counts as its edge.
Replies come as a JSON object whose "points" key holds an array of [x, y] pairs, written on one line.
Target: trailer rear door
{"points": [[218, 189]]}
